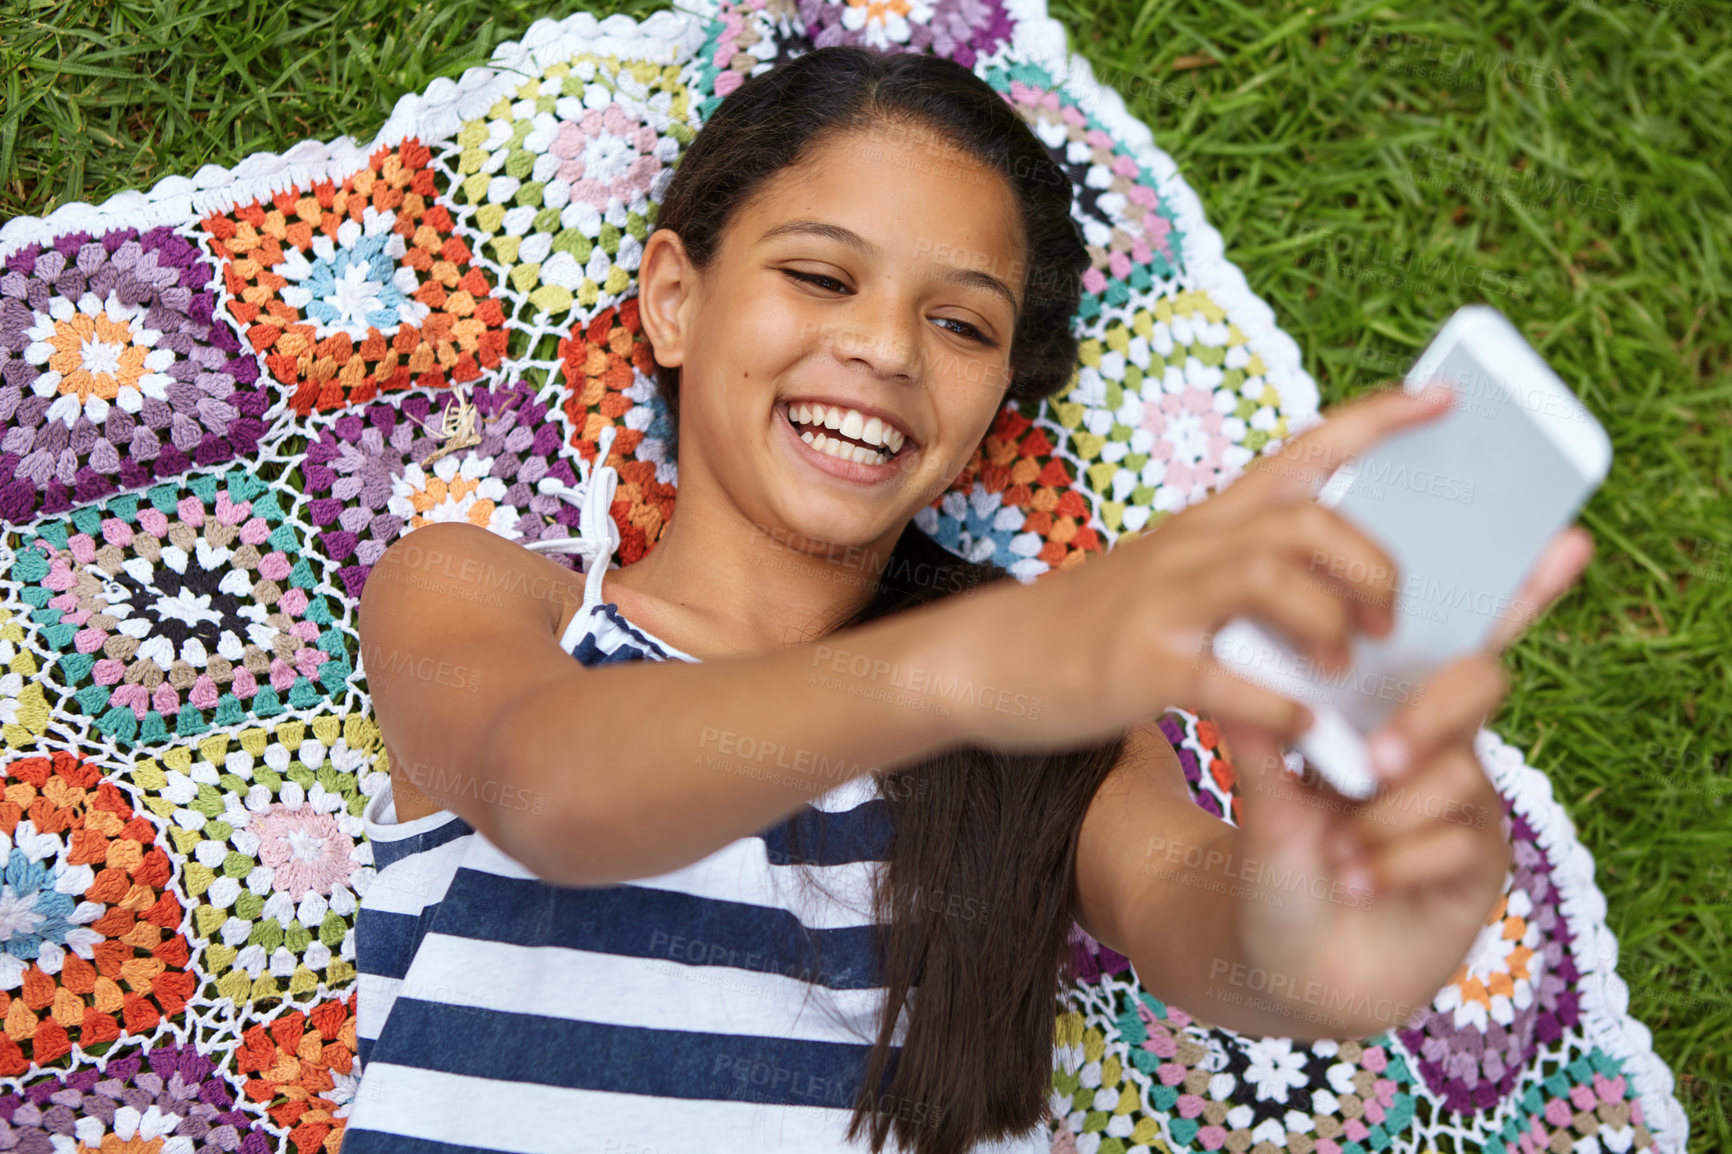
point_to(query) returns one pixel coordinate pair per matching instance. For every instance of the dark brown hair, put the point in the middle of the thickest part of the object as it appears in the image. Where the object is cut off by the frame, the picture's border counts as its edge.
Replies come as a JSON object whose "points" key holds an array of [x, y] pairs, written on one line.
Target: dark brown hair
{"points": [[1000, 829]]}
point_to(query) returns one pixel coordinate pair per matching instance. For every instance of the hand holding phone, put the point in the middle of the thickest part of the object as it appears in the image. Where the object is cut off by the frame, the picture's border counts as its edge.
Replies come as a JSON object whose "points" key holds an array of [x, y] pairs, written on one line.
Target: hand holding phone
{"points": [[1464, 505]]}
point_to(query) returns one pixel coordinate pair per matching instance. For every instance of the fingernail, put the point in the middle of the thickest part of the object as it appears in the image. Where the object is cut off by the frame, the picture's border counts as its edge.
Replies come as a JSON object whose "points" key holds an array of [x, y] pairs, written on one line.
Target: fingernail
{"points": [[1389, 754]]}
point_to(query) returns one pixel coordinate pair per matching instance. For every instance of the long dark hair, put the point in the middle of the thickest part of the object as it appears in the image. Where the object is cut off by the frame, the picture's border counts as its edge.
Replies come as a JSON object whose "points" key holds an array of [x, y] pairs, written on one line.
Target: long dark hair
{"points": [[999, 828]]}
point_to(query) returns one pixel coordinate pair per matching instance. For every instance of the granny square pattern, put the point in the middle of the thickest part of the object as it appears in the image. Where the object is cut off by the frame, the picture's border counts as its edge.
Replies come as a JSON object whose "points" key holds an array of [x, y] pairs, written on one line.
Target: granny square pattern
{"points": [[222, 398]]}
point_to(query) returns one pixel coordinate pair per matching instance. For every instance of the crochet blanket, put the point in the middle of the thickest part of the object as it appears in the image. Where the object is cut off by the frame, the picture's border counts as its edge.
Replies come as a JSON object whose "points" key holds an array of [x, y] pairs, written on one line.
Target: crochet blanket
{"points": [[222, 398]]}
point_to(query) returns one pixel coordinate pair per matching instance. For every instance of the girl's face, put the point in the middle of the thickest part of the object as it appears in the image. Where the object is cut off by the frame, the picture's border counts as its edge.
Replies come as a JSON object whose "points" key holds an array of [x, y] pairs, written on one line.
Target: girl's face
{"points": [[877, 284]]}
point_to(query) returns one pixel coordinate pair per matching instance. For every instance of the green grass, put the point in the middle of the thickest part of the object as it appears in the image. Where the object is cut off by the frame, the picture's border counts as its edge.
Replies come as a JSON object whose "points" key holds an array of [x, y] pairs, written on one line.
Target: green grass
{"points": [[1298, 143]]}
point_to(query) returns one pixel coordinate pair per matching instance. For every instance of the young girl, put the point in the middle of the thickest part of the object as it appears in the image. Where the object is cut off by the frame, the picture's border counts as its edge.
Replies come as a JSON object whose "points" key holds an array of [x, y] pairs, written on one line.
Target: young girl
{"points": [[787, 858]]}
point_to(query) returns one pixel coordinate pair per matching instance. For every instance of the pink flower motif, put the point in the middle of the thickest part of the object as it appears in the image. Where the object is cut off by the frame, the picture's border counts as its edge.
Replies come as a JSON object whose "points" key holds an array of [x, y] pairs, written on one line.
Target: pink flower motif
{"points": [[1325, 1146], [1212, 1137], [117, 532], [1374, 1059], [595, 149], [1178, 1017], [191, 510], [1374, 1111], [294, 602], [1190, 1105], [1558, 1112], [728, 81], [1355, 1129], [165, 700], [1170, 1073], [1094, 281], [1609, 1090], [304, 848], [153, 522], [82, 547]]}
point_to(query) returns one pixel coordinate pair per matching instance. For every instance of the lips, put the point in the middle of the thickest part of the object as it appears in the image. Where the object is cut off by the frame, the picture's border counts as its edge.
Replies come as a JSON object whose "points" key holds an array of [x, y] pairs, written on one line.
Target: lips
{"points": [[878, 452], [864, 473]]}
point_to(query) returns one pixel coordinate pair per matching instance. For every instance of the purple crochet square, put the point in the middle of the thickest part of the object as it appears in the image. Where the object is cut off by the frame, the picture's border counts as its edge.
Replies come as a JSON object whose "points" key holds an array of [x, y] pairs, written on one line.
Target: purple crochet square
{"points": [[115, 372], [367, 486]]}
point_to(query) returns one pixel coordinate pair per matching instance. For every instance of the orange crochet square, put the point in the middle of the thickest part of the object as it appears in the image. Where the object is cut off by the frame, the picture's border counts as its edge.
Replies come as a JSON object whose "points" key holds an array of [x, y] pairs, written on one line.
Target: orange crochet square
{"points": [[353, 289]]}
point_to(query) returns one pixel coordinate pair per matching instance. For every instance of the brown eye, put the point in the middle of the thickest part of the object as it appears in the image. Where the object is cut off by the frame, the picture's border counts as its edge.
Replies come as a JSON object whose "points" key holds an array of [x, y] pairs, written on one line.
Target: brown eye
{"points": [[829, 283]]}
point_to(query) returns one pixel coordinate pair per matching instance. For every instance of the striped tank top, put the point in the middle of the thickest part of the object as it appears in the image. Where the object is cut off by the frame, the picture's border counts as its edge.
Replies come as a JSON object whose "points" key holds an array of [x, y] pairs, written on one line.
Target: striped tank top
{"points": [[723, 1008]]}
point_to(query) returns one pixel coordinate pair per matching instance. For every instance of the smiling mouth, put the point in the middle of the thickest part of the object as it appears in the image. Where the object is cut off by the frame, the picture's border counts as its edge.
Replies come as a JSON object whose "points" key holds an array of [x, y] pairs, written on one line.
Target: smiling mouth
{"points": [[832, 442]]}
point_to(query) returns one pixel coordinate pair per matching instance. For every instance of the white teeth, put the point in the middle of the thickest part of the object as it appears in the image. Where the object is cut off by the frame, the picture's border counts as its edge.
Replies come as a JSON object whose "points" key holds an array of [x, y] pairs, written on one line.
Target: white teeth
{"points": [[838, 448], [849, 423]]}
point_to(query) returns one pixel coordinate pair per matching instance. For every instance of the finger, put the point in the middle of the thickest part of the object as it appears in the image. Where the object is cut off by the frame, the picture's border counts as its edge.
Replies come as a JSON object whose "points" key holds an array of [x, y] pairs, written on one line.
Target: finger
{"points": [[1442, 854], [1451, 705], [1297, 469], [1557, 569], [1229, 699], [1275, 589], [1449, 788], [1339, 558]]}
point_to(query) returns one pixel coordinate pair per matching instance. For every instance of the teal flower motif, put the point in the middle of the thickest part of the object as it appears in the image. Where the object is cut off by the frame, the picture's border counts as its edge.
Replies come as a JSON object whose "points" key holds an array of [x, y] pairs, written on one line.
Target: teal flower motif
{"points": [[359, 284]]}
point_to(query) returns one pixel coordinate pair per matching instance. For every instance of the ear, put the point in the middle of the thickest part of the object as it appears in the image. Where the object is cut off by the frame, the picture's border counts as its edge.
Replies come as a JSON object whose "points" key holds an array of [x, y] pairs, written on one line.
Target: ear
{"points": [[667, 288]]}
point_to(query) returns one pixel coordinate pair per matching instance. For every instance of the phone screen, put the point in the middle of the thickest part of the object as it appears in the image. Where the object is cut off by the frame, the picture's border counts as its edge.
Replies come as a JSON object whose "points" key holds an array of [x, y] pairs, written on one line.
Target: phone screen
{"points": [[1464, 505]]}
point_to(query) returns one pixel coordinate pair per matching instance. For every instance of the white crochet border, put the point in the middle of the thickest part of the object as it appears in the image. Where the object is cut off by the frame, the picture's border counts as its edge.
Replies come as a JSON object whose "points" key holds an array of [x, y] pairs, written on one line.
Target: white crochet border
{"points": [[673, 37], [1605, 998]]}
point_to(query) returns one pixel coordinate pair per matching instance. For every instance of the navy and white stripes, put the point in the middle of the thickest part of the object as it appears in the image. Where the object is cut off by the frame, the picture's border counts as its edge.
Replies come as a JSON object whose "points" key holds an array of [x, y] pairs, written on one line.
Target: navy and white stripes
{"points": [[722, 1007]]}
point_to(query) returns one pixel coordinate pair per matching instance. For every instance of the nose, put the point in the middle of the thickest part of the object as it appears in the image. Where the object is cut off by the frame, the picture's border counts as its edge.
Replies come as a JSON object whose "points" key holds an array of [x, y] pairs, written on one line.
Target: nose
{"points": [[881, 332]]}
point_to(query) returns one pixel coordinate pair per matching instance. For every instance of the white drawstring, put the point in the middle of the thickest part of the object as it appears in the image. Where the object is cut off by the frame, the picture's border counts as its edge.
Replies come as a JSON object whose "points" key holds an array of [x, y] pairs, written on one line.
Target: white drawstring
{"points": [[598, 536]]}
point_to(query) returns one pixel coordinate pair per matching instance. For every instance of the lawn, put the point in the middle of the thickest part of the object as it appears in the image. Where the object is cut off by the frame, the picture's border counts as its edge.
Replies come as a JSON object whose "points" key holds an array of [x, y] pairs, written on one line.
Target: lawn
{"points": [[1584, 193]]}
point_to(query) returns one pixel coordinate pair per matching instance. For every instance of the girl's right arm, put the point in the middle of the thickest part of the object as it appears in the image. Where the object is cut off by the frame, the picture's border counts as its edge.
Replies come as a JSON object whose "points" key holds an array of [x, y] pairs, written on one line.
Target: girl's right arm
{"points": [[590, 776]]}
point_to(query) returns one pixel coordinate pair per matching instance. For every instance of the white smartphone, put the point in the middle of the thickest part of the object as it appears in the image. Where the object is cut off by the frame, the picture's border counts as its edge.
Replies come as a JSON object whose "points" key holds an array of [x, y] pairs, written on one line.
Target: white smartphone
{"points": [[1464, 505]]}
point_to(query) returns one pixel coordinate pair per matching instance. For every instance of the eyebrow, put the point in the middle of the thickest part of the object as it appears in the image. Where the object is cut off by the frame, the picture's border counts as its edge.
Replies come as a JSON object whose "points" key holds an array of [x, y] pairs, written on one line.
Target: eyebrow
{"points": [[972, 278]]}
